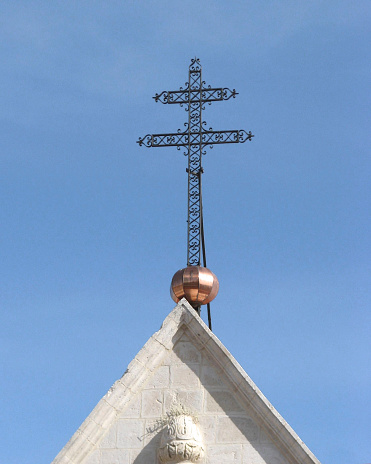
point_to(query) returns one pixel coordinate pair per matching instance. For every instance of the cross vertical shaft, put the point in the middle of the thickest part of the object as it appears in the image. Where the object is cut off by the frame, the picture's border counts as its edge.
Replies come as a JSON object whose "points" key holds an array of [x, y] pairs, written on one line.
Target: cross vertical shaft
{"points": [[194, 164]]}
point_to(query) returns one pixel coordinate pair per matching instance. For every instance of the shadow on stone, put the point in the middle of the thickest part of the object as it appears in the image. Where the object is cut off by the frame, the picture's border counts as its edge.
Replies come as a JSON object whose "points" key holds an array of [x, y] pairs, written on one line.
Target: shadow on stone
{"points": [[148, 454], [239, 435]]}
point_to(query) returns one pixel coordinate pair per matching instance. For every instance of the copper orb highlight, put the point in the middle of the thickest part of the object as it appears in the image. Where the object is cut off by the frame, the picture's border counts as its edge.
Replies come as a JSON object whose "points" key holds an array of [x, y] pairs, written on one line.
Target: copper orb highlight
{"points": [[198, 285]]}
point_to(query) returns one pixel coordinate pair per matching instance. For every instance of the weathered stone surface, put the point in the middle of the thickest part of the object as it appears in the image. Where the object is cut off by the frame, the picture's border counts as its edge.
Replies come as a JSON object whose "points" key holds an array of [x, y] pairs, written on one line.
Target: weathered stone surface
{"points": [[211, 377], [104, 414], [135, 376], [224, 454], [160, 378], [130, 433], [152, 401], [152, 436], [184, 337], [185, 352], [208, 425], [92, 431], [110, 438], [118, 396], [264, 438], [259, 454], [93, 458], [151, 354], [193, 399], [144, 456], [184, 376], [115, 456], [237, 430], [222, 401], [133, 408]]}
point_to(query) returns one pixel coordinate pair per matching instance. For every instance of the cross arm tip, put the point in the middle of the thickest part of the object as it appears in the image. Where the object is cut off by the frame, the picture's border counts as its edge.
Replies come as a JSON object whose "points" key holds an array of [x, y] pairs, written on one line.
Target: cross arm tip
{"points": [[162, 97], [146, 140]]}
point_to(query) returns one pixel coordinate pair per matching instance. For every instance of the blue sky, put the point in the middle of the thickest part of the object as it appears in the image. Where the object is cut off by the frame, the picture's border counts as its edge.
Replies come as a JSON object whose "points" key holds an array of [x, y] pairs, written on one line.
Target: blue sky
{"points": [[93, 227]]}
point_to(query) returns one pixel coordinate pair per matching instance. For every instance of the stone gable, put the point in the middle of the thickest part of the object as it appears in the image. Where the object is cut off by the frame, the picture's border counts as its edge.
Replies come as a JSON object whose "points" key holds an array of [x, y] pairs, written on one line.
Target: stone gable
{"points": [[185, 364]]}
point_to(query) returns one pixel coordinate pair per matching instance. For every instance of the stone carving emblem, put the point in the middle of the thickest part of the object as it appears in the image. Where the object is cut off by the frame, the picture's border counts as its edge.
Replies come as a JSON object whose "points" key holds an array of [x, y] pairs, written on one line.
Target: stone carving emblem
{"points": [[181, 440]]}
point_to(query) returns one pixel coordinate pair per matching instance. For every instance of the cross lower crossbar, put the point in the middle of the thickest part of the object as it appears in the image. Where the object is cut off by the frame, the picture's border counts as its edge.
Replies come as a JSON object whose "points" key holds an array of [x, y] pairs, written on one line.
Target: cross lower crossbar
{"points": [[185, 139]]}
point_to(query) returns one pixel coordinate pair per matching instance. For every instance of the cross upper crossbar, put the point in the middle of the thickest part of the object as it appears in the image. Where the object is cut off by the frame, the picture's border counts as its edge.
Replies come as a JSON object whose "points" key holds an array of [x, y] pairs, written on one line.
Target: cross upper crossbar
{"points": [[206, 95]]}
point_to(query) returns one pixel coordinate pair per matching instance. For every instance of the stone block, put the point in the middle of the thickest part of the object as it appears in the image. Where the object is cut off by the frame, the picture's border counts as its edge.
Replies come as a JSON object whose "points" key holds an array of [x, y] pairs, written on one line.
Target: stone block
{"points": [[250, 455], [191, 399], [264, 437], [221, 401], [207, 358], [225, 361], [184, 376], [103, 414], [93, 458], [118, 396], [151, 354], [152, 401], [117, 456], [109, 440], [211, 377], [92, 431], [135, 376], [167, 332], [80, 453], [184, 337], [234, 372], [133, 408], [160, 378], [208, 426], [130, 433], [177, 314], [177, 335], [185, 352], [261, 454], [146, 455], [152, 436], [237, 430], [78, 447], [197, 328], [224, 454]]}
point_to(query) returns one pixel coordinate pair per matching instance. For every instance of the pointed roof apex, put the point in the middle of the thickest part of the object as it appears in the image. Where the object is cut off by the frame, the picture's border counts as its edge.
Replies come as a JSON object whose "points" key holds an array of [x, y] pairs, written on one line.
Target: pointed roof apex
{"points": [[183, 318]]}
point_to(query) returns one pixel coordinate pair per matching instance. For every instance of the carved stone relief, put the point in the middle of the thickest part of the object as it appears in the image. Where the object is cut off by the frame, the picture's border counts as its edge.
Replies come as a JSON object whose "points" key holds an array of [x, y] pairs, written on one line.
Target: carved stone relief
{"points": [[181, 440]]}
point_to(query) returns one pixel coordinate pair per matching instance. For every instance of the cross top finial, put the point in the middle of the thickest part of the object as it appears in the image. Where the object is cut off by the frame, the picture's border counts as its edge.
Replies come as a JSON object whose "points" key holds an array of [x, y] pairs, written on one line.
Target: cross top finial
{"points": [[195, 64], [195, 139]]}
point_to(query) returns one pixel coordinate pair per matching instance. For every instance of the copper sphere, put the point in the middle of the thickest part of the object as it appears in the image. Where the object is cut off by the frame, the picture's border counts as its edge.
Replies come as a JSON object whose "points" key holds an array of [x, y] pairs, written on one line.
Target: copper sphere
{"points": [[198, 285]]}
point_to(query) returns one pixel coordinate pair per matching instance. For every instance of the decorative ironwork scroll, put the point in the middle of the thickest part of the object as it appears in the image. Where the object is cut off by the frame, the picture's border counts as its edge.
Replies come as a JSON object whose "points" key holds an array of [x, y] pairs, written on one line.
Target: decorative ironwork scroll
{"points": [[195, 138]]}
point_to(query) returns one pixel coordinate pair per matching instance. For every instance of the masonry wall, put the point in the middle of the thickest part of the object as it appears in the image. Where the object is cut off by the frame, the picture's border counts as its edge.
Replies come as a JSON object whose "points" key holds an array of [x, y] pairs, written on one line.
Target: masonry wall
{"points": [[188, 376]]}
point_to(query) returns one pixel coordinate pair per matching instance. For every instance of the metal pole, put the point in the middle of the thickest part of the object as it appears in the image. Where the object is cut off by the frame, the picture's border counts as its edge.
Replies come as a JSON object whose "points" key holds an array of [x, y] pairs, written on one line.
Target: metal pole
{"points": [[203, 244]]}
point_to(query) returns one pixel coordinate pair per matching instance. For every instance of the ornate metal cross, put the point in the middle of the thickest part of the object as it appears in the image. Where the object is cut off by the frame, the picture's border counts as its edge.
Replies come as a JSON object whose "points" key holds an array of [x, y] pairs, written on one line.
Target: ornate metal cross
{"points": [[195, 138]]}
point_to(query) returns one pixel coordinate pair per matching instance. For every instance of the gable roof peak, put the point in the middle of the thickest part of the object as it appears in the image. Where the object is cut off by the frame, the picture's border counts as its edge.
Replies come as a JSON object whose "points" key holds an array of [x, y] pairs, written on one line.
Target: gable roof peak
{"points": [[183, 319]]}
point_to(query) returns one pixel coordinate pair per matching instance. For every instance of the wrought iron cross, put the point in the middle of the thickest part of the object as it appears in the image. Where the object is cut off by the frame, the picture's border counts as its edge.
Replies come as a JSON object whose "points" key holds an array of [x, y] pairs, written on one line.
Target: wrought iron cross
{"points": [[195, 138]]}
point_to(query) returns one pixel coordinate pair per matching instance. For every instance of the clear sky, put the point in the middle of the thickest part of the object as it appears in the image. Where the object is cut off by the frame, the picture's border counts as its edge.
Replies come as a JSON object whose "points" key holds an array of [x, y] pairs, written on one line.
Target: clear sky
{"points": [[93, 227]]}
